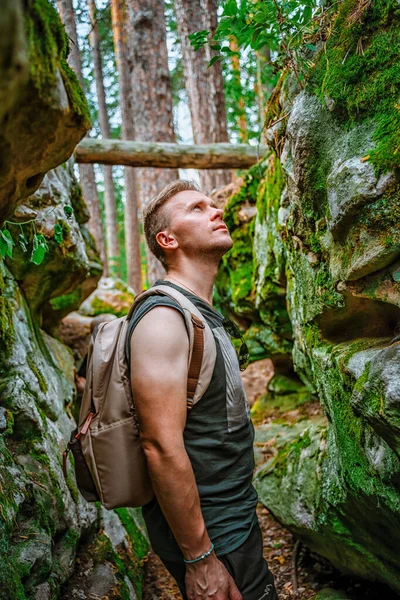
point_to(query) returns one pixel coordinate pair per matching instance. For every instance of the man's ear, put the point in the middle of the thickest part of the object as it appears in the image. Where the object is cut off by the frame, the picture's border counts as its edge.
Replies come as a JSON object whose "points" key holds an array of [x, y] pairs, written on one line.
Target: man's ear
{"points": [[166, 241]]}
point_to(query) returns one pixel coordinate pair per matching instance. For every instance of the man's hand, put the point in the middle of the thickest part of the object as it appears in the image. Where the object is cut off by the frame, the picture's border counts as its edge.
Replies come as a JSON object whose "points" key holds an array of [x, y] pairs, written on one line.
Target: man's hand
{"points": [[208, 578]]}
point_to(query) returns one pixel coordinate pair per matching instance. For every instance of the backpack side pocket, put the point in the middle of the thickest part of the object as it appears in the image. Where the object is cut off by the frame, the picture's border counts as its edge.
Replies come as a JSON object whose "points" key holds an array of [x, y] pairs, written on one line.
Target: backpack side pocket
{"points": [[83, 476]]}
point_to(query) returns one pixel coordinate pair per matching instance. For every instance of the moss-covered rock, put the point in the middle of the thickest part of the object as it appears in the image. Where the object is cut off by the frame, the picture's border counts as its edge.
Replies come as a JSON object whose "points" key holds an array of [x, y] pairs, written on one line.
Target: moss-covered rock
{"points": [[44, 522], [44, 519], [43, 122], [70, 269], [112, 296], [325, 280]]}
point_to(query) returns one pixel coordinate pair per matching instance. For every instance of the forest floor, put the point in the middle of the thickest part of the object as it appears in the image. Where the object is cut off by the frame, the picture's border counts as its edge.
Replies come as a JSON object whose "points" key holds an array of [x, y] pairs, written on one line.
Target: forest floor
{"points": [[292, 564]]}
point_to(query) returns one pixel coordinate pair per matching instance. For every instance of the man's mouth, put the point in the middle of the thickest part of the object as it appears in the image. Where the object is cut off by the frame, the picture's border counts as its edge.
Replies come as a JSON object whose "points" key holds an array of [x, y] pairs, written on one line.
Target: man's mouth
{"points": [[224, 227]]}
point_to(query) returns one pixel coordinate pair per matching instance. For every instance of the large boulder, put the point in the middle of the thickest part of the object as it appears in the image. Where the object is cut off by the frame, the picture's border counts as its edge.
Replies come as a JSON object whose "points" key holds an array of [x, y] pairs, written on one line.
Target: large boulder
{"points": [[112, 296], [45, 523], [71, 268], [44, 113], [320, 282]]}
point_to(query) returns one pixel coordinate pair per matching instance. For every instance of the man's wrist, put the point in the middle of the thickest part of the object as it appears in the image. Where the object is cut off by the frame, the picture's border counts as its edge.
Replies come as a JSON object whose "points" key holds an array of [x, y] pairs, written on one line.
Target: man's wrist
{"points": [[191, 561]]}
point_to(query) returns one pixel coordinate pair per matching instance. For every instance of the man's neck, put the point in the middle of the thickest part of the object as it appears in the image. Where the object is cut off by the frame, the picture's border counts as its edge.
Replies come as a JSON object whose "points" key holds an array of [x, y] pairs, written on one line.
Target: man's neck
{"points": [[199, 280]]}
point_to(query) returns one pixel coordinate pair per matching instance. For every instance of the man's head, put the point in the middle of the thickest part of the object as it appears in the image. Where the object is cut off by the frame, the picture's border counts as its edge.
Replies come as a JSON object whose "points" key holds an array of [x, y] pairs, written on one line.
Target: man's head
{"points": [[183, 220]]}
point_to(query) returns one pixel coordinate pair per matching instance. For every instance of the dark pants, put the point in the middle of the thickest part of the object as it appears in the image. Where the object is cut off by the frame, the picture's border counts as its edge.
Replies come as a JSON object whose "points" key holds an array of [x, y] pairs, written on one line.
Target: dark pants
{"points": [[245, 564]]}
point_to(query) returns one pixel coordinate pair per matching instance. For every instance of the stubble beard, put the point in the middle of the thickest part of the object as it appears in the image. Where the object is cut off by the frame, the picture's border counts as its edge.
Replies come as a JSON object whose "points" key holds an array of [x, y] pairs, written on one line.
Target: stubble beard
{"points": [[213, 255]]}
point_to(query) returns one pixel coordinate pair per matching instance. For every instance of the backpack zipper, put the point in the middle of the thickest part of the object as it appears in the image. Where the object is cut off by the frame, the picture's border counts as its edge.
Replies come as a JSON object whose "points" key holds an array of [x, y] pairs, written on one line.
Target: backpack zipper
{"points": [[85, 426]]}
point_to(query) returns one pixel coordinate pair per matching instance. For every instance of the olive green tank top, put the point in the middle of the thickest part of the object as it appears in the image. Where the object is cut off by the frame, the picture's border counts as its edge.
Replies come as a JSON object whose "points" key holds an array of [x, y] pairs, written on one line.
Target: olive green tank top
{"points": [[218, 438]]}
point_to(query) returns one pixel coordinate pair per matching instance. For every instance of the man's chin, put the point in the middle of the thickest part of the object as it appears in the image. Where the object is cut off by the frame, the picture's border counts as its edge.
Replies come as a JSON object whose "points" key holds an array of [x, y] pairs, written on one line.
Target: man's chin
{"points": [[226, 245]]}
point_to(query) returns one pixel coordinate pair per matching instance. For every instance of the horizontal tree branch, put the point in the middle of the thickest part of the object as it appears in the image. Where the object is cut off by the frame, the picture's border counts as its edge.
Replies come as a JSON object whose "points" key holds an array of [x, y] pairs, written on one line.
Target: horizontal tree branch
{"points": [[168, 156]]}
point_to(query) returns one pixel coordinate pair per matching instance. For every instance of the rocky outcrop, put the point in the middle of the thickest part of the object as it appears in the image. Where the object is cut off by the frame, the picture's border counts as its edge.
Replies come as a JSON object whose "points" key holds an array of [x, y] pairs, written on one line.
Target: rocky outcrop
{"points": [[44, 92], [317, 271], [53, 544], [57, 210], [112, 296]]}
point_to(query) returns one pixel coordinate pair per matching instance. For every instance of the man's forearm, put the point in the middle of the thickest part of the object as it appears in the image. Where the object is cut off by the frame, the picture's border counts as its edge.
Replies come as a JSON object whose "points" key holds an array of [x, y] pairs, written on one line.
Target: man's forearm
{"points": [[176, 490]]}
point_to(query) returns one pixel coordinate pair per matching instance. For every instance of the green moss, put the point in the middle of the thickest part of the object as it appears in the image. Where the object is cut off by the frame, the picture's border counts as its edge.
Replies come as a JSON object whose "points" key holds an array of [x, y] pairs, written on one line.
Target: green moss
{"points": [[269, 404], [99, 307], [10, 579], [7, 331], [67, 301], [382, 219], [38, 374], [248, 192], [270, 190], [289, 453], [79, 205], [75, 94], [140, 544], [124, 565], [48, 50], [325, 288], [359, 70]]}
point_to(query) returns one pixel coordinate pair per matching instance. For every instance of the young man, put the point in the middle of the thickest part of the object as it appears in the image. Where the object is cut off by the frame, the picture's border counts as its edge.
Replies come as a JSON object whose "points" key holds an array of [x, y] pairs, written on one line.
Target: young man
{"points": [[202, 522]]}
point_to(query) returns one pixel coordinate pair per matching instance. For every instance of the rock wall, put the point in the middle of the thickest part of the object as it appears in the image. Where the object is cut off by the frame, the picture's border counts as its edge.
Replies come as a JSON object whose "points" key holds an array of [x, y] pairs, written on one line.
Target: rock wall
{"points": [[315, 278], [53, 544]]}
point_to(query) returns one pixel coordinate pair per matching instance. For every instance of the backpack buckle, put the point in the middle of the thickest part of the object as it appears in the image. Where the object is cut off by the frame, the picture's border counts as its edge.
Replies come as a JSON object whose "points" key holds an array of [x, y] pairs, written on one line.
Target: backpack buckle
{"points": [[198, 322]]}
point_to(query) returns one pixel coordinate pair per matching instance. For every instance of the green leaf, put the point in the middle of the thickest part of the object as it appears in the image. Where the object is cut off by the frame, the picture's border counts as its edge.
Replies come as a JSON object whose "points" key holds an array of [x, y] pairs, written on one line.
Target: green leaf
{"points": [[199, 38], [68, 211], [230, 8], [39, 250], [215, 47], [6, 243], [311, 47], [58, 233], [213, 61]]}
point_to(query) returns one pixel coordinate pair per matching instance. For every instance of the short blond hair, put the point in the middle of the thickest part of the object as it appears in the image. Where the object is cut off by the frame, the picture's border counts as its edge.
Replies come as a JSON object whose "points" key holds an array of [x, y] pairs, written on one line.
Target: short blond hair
{"points": [[155, 219]]}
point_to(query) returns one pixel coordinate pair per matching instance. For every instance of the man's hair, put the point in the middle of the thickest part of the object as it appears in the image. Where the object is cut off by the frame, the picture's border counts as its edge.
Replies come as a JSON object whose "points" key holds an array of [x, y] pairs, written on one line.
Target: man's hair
{"points": [[155, 219]]}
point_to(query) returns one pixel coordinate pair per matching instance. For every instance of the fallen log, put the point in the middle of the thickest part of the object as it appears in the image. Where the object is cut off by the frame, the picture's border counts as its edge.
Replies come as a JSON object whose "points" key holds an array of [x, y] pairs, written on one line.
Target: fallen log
{"points": [[168, 156]]}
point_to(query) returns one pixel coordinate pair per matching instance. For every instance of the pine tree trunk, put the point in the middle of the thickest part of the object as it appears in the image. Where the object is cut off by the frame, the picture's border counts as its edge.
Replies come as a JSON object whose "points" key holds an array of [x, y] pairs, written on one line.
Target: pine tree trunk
{"points": [[132, 228], [204, 86], [113, 253], [241, 118], [86, 172], [152, 91]]}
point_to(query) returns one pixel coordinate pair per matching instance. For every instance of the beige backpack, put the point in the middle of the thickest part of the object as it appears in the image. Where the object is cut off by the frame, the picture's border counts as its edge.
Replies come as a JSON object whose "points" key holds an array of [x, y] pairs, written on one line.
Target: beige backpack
{"points": [[110, 465]]}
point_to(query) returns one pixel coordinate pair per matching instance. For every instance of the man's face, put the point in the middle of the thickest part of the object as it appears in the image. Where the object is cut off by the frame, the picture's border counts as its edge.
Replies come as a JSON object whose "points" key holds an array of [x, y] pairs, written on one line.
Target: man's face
{"points": [[197, 225]]}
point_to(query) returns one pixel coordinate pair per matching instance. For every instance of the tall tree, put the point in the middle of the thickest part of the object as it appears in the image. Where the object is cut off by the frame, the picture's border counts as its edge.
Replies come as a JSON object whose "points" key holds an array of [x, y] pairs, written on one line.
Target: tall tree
{"points": [[204, 86], [132, 227], [109, 195], [86, 172], [240, 103], [151, 86]]}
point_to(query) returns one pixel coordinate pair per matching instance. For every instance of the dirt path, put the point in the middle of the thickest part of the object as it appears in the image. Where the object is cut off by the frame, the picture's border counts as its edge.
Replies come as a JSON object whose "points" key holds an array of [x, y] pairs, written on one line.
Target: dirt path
{"points": [[283, 555], [313, 572]]}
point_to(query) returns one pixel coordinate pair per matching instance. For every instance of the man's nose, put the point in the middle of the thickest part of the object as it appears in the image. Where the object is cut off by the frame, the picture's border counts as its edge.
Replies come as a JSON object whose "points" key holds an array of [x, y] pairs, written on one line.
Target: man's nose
{"points": [[217, 213]]}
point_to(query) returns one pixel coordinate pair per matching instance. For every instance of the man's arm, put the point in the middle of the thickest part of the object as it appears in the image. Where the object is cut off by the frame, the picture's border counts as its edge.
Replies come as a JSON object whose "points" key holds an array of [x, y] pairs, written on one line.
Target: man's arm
{"points": [[159, 366]]}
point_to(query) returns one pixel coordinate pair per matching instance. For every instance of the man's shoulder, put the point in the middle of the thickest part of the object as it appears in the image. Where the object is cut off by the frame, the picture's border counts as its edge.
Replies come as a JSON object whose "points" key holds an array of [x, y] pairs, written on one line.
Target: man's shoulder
{"points": [[158, 312], [160, 334], [150, 302]]}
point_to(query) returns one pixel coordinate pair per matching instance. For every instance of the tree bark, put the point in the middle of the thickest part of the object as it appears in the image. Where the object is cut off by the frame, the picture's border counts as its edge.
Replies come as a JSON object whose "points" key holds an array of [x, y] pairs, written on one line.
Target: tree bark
{"points": [[168, 156], [113, 253], [86, 172], [204, 86], [132, 228], [241, 118], [152, 91]]}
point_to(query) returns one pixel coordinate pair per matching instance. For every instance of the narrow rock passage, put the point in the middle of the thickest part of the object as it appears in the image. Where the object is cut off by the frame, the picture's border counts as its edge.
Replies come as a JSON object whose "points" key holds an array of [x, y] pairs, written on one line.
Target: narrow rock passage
{"points": [[313, 572]]}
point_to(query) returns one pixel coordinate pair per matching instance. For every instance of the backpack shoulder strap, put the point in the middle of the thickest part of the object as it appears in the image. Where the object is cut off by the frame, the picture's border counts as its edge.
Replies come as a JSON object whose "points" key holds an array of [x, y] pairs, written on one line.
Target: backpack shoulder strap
{"points": [[202, 349]]}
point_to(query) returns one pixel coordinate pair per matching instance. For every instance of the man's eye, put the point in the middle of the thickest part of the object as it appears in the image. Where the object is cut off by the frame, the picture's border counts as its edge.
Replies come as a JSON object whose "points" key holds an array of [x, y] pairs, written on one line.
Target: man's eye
{"points": [[196, 206]]}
